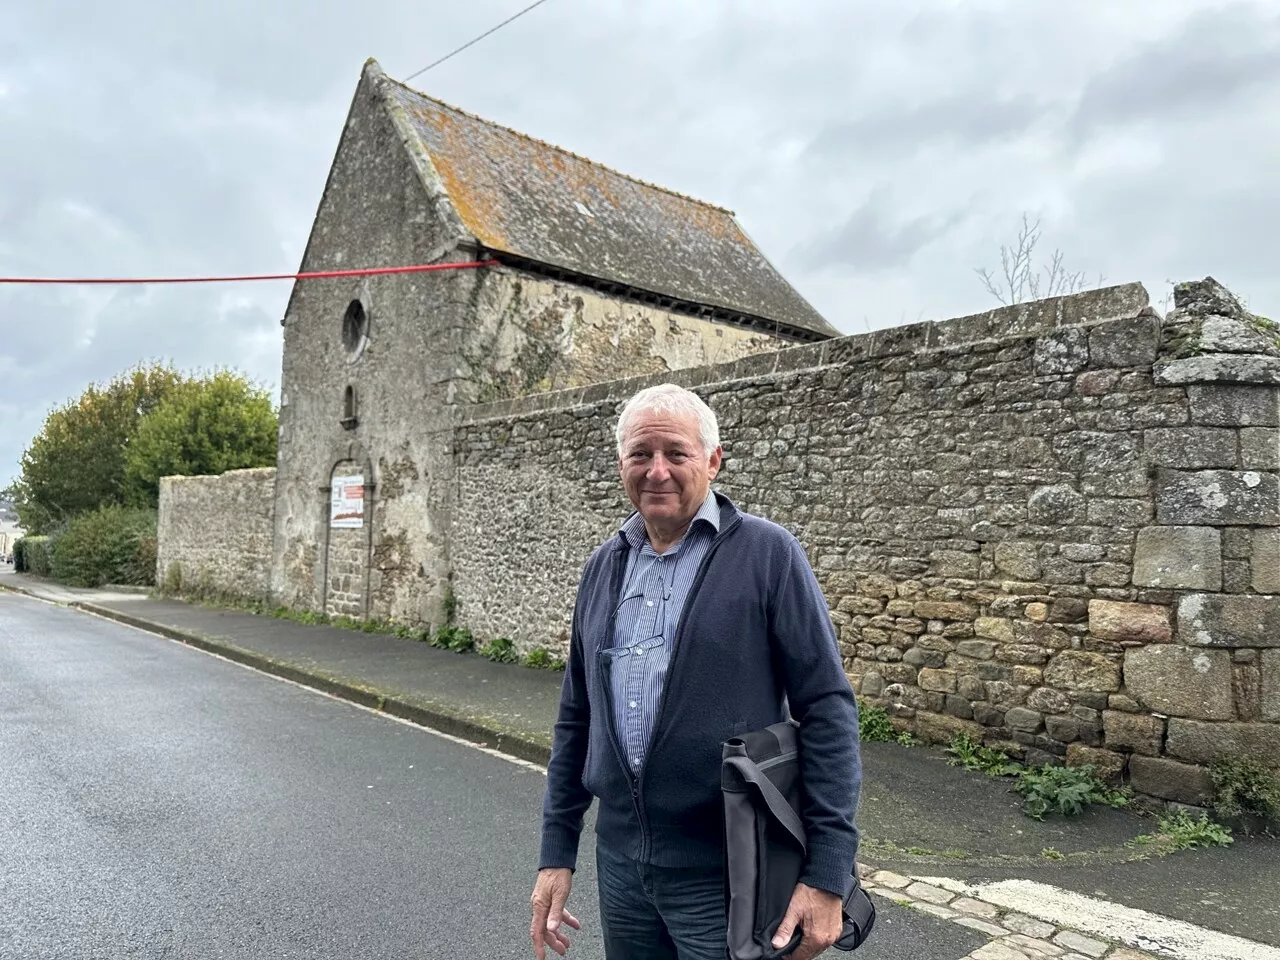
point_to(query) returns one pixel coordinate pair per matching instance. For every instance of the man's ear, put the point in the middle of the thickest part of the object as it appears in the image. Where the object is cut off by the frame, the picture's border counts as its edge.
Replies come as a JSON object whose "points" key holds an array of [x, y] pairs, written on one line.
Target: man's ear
{"points": [[713, 465]]}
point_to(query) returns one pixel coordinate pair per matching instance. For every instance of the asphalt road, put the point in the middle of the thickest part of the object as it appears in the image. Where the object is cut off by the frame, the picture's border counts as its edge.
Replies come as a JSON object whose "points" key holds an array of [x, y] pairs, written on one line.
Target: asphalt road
{"points": [[159, 802]]}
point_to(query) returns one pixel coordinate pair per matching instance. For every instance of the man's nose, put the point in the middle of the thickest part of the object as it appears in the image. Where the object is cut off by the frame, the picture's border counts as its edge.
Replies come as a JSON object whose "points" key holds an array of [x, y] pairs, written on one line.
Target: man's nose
{"points": [[658, 468]]}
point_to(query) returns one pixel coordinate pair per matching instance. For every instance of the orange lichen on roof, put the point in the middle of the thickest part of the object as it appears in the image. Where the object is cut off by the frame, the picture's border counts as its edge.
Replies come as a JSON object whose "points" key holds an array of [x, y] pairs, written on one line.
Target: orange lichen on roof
{"points": [[479, 213], [520, 195]]}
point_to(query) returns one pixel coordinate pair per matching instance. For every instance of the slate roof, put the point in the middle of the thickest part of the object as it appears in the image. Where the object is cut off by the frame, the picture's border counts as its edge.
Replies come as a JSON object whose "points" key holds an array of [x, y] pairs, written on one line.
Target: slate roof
{"points": [[520, 196]]}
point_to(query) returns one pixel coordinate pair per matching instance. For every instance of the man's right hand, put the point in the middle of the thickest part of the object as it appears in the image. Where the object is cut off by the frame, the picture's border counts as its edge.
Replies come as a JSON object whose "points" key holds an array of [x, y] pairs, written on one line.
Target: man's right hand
{"points": [[550, 894]]}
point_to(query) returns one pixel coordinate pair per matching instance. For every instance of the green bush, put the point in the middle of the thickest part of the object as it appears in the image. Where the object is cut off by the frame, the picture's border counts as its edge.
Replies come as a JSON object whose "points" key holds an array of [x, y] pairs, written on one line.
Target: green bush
{"points": [[19, 555], [1245, 786], [35, 555], [108, 545]]}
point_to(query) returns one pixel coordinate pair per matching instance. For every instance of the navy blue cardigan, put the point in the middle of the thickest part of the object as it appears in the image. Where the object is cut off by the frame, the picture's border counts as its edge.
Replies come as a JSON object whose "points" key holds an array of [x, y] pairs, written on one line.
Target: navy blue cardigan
{"points": [[755, 627]]}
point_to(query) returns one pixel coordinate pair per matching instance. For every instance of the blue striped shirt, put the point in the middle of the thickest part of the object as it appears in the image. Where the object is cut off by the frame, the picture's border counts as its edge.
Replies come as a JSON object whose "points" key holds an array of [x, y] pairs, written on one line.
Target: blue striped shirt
{"points": [[654, 591]]}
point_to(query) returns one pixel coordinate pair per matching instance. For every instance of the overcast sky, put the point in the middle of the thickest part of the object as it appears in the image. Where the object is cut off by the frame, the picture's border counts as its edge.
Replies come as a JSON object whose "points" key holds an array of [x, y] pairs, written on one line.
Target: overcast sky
{"points": [[876, 151]]}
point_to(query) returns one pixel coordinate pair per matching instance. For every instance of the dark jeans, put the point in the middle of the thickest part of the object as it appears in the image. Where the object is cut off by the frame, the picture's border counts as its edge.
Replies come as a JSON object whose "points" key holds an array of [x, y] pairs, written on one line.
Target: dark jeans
{"points": [[660, 913]]}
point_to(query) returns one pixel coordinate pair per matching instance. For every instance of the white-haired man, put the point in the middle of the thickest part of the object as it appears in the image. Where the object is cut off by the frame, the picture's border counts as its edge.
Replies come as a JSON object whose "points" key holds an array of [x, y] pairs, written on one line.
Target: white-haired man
{"points": [[695, 623]]}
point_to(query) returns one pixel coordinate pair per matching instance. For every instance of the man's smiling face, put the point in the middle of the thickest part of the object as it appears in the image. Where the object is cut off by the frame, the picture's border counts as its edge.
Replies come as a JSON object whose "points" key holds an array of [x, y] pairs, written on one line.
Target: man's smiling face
{"points": [[665, 471]]}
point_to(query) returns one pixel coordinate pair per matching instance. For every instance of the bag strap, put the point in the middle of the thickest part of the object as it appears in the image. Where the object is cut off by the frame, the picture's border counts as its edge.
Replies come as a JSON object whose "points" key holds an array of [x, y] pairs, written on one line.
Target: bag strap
{"points": [[782, 811]]}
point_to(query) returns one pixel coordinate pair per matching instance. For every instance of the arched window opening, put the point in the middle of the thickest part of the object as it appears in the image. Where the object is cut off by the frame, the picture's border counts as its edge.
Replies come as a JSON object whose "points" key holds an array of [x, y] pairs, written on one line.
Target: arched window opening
{"points": [[355, 327], [349, 407]]}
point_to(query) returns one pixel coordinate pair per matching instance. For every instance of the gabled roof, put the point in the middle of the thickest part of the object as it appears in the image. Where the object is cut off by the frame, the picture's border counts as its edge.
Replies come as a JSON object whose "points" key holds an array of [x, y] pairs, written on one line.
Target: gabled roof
{"points": [[537, 202]]}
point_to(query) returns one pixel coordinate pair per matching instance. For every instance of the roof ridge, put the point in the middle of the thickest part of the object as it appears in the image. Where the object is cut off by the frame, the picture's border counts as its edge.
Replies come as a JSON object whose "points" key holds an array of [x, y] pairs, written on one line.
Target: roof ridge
{"points": [[576, 156]]}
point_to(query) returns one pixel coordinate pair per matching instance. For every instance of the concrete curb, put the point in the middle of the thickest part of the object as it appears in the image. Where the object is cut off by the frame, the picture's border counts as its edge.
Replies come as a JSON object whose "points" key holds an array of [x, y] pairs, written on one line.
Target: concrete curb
{"points": [[10, 588], [424, 716]]}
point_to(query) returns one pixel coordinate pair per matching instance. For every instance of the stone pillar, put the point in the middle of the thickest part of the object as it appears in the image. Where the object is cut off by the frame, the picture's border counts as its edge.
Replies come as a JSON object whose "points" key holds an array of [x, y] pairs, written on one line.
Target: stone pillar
{"points": [[1214, 546]]}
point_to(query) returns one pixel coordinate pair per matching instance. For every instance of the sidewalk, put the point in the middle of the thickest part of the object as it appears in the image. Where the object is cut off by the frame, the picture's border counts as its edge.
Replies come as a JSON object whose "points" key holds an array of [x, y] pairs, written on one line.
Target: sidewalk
{"points": [[919, 816]]}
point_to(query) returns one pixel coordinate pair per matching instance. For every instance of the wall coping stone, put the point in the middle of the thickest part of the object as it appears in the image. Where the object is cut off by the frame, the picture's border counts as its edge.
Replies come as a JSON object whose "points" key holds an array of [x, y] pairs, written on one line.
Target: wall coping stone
{"points": [[214, 477], [1219, 368]]}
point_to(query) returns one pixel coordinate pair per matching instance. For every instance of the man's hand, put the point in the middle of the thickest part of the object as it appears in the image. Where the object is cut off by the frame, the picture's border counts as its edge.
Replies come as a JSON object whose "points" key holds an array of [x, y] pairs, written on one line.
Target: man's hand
{"points": [[550, 894], [820, 917]]}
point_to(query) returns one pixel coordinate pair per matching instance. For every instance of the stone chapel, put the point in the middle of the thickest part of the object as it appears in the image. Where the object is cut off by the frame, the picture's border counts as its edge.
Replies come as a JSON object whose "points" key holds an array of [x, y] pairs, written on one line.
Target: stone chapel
{"points": [[594, 276]]}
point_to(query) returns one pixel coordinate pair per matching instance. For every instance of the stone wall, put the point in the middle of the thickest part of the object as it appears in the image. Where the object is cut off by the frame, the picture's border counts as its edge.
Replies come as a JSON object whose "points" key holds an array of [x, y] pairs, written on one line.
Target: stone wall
{"points": [[1052, 526], [215, 533]]}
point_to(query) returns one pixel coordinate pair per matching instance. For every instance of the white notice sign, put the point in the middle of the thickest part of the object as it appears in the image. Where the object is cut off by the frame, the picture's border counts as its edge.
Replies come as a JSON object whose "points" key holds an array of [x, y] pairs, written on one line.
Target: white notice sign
{"points": [[346, 502]]}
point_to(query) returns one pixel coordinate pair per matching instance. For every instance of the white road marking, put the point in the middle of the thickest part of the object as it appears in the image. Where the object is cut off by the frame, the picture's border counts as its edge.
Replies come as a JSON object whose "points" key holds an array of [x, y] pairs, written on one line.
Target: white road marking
{"points": [[527, 764], [1163, 936]]}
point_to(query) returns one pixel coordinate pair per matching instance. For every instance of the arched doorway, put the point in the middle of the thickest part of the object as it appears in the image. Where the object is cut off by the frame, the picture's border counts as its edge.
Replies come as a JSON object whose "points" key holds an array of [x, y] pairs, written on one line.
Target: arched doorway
{"points": [[346, 559]]}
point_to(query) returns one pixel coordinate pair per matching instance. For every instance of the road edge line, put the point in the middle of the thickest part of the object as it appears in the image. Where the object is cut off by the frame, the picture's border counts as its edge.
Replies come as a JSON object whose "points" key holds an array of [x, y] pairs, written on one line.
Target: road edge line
{"points": [[471, 731]]}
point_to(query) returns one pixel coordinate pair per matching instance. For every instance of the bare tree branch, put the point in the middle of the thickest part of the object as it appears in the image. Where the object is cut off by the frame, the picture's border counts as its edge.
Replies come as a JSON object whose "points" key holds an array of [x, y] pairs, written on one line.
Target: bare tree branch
{"points": [[989, 282], [1021, 280]]}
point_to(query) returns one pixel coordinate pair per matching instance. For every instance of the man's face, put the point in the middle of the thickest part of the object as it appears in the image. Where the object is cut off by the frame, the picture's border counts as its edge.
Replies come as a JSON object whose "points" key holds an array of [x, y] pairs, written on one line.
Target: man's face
{"points": [[664, 469]]}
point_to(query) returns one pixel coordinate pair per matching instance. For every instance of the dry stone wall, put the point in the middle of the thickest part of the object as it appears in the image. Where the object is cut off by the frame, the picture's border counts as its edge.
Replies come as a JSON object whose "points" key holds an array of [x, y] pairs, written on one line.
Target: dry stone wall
{"points": [[215, 533], [1052, 526]]}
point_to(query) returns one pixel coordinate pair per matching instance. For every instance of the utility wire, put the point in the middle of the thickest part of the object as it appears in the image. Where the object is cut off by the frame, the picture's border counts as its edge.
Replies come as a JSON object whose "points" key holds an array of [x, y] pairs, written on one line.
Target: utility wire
{"points": [[314, 275], [469, 43]]}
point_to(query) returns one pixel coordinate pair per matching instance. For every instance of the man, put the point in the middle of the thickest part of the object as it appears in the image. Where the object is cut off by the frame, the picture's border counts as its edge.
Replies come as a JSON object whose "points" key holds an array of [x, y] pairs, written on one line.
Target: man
{"points": [[695, 623]]}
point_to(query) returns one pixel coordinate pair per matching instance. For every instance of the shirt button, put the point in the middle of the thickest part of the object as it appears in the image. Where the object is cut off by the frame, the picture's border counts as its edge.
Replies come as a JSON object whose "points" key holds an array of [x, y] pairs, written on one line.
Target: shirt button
{"points": [[648, 603], [639, 653], [636, 761], [632, 704]]}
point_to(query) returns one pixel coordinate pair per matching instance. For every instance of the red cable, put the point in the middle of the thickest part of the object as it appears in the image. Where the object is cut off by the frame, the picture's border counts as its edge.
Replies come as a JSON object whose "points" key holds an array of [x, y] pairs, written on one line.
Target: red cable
{"points": [[317, 275]]}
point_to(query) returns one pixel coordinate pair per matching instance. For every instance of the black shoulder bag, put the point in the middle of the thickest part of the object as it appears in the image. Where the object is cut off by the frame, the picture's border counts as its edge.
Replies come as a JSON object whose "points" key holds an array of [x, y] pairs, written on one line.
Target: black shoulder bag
{"points": [[765, 845]]}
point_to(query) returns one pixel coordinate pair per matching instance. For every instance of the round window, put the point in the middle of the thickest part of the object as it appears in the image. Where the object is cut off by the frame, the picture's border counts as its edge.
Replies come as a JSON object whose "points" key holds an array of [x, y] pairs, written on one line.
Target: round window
{"points": [[355, 326]]}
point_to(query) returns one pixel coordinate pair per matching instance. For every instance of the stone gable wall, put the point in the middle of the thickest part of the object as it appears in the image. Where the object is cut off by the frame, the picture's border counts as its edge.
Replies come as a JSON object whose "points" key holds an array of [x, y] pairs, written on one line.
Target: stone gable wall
{"points": [[378, 208], [215, 533], [1053, 526], [530, 334]]}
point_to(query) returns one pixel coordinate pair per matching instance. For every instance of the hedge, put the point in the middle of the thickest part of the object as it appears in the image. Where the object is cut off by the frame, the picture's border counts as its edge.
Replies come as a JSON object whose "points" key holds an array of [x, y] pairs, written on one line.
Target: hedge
{"points": [[35, 555], [107, 545], [19, 555]]}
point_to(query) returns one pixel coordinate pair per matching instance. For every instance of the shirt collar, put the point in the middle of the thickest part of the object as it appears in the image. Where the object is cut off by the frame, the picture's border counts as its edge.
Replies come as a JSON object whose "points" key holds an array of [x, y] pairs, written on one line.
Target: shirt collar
{"points": [[636, 535]]}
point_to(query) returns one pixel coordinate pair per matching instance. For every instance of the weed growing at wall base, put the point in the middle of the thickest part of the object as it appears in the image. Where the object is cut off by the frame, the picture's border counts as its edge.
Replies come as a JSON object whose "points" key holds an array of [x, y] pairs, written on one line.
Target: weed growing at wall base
{"points": [[457, 639], [1064, 790], [969, 754], [499, 650], [540, 658], [874, 726], [1179, 831], [1044, 789], [1245, 787]]}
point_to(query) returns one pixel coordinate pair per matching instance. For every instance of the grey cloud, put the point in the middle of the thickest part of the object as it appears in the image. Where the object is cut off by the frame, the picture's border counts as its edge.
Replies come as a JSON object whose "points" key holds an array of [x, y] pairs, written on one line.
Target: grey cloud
{"points": [[959, 120], [1151, 233], [1214, 56], [872, 238]]}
